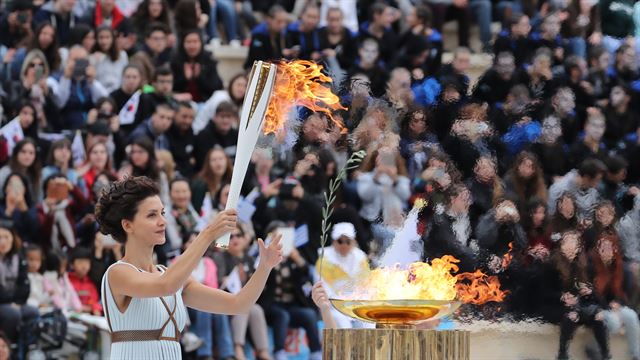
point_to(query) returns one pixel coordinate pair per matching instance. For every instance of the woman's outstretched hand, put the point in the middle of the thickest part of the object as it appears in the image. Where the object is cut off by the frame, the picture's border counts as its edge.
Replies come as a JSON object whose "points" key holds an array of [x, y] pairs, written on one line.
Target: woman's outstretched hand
{"points": [[271, 255]]}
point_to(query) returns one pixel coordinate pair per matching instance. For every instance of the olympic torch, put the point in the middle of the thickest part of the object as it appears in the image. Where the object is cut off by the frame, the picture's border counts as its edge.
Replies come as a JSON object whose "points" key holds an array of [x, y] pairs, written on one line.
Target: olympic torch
{"points": [[256, 100]]}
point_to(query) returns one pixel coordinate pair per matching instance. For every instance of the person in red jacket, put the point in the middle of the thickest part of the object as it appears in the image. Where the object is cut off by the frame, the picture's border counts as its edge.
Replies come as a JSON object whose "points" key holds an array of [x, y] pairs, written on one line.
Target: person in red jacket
{"points": [[86, 289]]}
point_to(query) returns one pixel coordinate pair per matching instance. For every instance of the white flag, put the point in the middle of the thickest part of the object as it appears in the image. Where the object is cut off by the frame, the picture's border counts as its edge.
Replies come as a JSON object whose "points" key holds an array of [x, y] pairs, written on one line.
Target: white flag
{"points": [[77, 150], [128, 112], [13, 133], [233, 283]]}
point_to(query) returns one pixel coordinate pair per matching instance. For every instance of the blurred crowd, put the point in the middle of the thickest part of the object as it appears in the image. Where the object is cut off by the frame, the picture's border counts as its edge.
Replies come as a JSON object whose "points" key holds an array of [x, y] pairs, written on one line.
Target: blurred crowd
{"points": [[528, 171]]}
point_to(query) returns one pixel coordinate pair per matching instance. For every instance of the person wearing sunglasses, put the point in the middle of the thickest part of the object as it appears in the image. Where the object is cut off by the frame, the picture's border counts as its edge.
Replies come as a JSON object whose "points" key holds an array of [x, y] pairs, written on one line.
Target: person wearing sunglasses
{"points": [[342, 264]]}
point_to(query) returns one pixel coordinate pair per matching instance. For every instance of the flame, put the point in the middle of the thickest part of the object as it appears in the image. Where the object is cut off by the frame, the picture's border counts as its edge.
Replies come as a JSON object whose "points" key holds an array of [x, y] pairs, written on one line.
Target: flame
{"points": [[506, 258], [477, 288], [300, 82], [423, 281]]}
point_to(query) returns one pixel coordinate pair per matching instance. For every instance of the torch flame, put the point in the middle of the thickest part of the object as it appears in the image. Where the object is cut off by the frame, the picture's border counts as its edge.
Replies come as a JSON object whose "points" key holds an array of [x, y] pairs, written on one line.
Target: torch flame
{"points": [[300, 82], [423, 281]]}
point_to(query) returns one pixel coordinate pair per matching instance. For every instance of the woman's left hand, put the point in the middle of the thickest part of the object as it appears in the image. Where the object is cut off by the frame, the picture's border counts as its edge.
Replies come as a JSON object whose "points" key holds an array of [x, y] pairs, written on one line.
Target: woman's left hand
{"points": [[271, 255]]}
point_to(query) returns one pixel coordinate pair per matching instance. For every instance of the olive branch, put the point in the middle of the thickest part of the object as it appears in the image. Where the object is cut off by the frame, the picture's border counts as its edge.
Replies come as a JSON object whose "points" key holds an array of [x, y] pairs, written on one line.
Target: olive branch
{"points": [[354, 161]]}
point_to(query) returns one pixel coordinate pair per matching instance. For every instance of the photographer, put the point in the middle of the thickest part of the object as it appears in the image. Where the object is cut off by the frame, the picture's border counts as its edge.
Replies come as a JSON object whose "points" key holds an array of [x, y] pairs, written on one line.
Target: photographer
{"points": [[76, 91], [15, 25], [57, 213], [498, 231]]}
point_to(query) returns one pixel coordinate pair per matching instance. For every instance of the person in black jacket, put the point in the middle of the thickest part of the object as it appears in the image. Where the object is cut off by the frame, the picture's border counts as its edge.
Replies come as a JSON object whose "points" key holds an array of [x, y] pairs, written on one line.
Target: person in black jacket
{"points": [[495, 84], [14, 283], [285, 303], [194, 69], [182, 138], [450, 231], [220, 132], [336, 41], [268, 38], [499, 232]]}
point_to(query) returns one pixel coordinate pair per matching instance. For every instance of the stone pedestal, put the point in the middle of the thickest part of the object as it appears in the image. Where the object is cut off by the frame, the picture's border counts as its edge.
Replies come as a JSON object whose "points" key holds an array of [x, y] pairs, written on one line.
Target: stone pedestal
{"points": [[395, 344]]}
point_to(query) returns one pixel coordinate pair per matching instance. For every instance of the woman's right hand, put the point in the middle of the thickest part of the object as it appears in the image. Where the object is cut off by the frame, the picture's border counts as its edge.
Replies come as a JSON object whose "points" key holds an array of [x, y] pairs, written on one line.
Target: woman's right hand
{"points": [[223, 223], [320, 297]]}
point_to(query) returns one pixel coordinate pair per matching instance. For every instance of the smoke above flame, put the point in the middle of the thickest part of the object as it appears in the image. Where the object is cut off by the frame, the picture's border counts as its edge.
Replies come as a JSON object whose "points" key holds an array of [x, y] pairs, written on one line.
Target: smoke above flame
{"points": [[300, 83]]}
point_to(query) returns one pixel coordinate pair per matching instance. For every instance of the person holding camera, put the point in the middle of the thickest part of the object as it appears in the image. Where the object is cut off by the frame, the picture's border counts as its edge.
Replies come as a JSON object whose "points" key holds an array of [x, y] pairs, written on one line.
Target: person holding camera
{"points": [[499, 232], [63, 203], [77, 91], [15, 26]]}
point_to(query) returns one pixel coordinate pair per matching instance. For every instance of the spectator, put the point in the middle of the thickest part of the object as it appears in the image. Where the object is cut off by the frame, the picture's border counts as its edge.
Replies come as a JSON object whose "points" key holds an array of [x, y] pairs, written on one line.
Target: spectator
{"points": [[194, 69], [86, 290], [369, 65], [156, 45], [106, 13], [487, 186], [591, 147], [23, 125], [35, 258], [58, 13], [381, 16], [181, 139], [63, 203], [59, 161], [417, 141], [15, 25], [337, 43], [285, 305], [155, 128], [14, 312], [548, 149], [62, 294], [132, 81], [162, 92], [451, 230], [229, 17], [24, 161], [565, 217], [233, 94], [499, 232], [303, 36], [613, 183], [581, 183], [536, 226], [108, 59], [496, 83], [216, 171], [98, 161], [621, 120], [19, 207], [236, 262], [5, 347], [188, 15], [142, 162], [516, 40], [77, 90], [219, 131], [268, 38], [150, 11], [44, 39], [525, 180], [182, 219], [579, 305]]}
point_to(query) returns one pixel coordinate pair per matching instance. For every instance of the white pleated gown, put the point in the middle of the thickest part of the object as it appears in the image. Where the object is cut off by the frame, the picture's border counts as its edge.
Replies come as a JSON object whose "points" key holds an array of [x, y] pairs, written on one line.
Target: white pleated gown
{"points": [[144, 314]]}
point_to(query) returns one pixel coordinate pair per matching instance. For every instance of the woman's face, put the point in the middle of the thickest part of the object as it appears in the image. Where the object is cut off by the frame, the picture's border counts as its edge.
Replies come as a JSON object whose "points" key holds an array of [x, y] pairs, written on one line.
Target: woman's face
{"points": [[27, 155], [192, 45], [139, 156], [343, 245], [570, 246], [180, 194], [238, 88], [605, 215], [537, 217], [89, 41], [526, 169], [155, 8], [605, 250], [46, 37], [131, 80], [105, 40], [6, 241], [26, 117], [485, 170], [62, 155], [98, 157], [218, 162], [238, 242], [148, 224], [418, 123], [566, 208]]}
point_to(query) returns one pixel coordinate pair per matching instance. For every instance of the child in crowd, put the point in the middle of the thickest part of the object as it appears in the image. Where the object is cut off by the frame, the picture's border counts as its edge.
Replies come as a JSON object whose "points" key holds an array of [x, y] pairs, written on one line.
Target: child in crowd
{"points": [[79, 278]]}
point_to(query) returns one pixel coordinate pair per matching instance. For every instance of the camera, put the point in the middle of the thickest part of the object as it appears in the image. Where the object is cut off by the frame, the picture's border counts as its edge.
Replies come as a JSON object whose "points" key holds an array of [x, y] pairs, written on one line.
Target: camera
{"points": [[80, 68]]}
